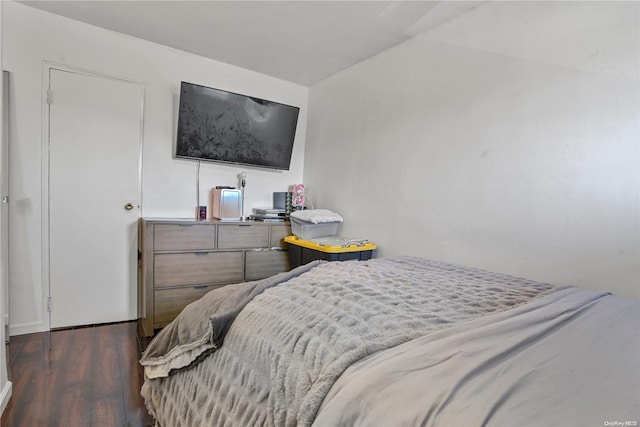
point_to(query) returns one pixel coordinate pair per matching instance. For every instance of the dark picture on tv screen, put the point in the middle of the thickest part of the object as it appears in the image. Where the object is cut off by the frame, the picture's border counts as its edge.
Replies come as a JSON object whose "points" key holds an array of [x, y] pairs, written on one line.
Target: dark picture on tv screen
{"points": [[220, 126]]}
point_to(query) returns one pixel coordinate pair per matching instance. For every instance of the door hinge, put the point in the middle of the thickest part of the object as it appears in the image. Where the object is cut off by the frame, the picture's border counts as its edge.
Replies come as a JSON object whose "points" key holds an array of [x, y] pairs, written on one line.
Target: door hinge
{"points": [[49, 304], [50, 96]]}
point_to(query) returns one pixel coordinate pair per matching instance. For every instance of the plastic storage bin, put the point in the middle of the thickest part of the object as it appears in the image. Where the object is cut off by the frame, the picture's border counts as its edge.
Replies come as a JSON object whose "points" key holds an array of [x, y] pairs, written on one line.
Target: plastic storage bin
{"points": [[303, 252], [307, 230]]}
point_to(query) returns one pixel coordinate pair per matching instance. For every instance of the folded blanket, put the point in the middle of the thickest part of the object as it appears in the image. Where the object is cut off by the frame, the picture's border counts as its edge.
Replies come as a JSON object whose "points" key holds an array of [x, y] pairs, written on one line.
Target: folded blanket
{"points": [[200, 328], [344, 242], [317, 216]]}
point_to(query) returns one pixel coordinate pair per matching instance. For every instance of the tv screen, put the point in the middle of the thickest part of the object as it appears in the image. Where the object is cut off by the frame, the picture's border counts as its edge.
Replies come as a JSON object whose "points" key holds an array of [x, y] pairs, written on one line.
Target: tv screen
{"points": [[220, 126]]}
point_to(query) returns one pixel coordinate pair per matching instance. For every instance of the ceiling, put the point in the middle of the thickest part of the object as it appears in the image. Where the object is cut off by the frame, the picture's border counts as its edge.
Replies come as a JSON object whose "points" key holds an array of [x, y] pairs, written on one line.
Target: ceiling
{"points": [[299, 41], [306, 41]]}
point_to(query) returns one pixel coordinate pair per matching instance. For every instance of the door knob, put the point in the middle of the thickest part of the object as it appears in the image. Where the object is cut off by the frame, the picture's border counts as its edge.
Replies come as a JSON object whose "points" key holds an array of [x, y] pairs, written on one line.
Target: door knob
{"points": [[128, 206]]}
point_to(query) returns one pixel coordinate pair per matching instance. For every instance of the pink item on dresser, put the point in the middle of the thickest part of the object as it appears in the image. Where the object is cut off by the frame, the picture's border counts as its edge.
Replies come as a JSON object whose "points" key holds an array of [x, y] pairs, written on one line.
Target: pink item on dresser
{"points": [[297, 194]]}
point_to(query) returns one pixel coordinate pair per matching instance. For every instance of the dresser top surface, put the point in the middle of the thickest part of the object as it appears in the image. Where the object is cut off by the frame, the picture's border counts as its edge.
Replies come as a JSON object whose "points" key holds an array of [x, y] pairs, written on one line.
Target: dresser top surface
{"points": [[208, 221]]}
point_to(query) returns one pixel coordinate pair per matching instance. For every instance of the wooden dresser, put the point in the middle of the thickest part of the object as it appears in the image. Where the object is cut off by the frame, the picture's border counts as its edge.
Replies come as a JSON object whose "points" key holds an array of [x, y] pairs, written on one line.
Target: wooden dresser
{"points": [[181, 260]]}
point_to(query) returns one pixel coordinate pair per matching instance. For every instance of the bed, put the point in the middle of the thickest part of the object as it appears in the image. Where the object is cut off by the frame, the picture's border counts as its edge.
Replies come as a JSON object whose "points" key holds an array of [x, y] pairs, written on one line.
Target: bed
{"points": [[397, 342]]}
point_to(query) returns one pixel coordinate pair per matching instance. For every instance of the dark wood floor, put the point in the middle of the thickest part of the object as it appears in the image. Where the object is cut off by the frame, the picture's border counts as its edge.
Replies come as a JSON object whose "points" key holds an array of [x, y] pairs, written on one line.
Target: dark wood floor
{"points": [[85, 377]]}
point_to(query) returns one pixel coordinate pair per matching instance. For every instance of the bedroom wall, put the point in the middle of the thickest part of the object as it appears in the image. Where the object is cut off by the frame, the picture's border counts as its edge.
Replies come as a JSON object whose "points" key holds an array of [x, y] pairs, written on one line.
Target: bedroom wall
{"points": [[32, 36], [506, 139]]}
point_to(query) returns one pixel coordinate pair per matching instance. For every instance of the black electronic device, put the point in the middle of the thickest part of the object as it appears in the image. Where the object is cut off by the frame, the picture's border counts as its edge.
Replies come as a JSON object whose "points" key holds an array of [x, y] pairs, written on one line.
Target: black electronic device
{"points": [[220, 126]]}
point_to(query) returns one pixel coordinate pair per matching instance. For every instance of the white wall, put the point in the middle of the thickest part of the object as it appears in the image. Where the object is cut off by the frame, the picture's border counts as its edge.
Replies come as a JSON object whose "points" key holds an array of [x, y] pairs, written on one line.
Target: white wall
{"points": [[169, 186], [507, 139]]}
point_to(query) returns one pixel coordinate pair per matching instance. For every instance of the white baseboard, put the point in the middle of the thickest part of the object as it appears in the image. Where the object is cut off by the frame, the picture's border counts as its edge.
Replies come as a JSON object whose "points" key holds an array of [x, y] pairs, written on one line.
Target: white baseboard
{"points": [[26, 328], [5, 395]]}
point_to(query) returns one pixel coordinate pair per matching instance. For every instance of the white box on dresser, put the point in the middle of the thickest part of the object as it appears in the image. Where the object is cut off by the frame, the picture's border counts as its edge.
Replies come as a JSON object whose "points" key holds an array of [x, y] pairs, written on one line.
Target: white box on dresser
{"points": [[180, 260]]}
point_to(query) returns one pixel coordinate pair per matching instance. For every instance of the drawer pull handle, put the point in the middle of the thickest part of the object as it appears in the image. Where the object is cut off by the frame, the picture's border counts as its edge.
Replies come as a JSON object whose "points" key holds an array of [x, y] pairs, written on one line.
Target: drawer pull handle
{"points": [[201, 253], [185, 225], [200, 287], [244, 225]]}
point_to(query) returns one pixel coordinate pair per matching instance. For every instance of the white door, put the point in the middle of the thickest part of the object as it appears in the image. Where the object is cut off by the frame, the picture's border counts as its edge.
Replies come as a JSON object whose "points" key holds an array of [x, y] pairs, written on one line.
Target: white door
{"points": [[4, 206], [95, 134]]}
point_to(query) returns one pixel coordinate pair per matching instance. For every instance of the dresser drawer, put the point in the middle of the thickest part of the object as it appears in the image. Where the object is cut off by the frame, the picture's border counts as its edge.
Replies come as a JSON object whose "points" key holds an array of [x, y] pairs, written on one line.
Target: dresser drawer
{"points": [[262, 264], [181, 260], [168, 303], [278, 233], [184, 237], [197, 268], [243, 236]]}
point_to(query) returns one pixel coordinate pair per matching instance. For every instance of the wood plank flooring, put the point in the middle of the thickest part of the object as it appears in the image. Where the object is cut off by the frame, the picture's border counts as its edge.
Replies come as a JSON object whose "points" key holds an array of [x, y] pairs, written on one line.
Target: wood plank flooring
{"points": [[87, 377]]}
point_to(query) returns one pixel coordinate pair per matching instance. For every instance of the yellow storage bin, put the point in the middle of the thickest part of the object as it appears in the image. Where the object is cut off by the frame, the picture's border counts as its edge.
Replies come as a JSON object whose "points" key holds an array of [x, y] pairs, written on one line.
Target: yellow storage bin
{"points": [[304, 251]]}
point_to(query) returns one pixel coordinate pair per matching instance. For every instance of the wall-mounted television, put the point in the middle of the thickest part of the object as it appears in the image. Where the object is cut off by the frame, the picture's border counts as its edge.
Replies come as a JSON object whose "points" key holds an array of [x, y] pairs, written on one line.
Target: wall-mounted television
{"points": [[220, 126]]}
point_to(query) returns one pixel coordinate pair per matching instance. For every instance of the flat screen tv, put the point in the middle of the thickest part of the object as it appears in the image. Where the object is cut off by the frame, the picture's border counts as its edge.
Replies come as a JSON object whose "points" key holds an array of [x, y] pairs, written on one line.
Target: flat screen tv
{"points": [[220, 126]]}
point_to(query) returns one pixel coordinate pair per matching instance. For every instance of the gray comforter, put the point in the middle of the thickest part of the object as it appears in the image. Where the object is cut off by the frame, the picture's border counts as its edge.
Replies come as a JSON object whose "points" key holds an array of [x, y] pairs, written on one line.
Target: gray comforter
{"points": [[202, 326], [290, 343], [571, 358]]}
